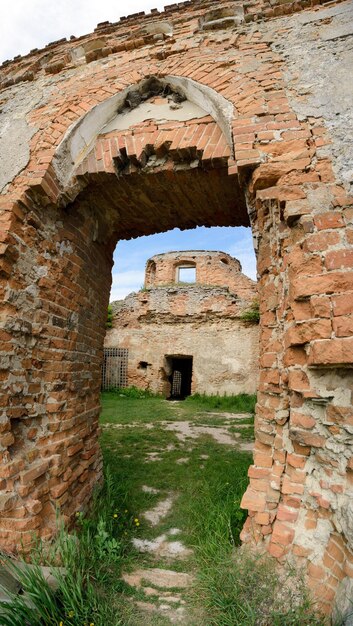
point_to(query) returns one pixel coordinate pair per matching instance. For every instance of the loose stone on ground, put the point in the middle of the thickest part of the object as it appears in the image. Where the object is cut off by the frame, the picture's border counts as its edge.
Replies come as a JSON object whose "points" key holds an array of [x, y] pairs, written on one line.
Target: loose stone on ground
{"points": [[151, 490], [157, 583], [161, 510], [162, 578], [162, 547]]}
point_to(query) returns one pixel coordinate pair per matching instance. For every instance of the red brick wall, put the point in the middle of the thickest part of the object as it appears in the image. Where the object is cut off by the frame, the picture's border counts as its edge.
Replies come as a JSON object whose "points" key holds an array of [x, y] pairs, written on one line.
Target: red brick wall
{"points": [[59, 226], [50, 454], [212, 268]]}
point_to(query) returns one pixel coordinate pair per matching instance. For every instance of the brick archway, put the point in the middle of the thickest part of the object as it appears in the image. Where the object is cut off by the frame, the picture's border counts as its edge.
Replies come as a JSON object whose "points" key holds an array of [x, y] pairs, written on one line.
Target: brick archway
{"points": [[62, 211]]}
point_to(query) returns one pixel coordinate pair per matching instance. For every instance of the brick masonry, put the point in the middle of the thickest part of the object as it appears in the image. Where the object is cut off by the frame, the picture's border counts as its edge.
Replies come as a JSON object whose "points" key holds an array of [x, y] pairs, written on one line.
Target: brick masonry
{"points": [[282, 68], [202, 320]]}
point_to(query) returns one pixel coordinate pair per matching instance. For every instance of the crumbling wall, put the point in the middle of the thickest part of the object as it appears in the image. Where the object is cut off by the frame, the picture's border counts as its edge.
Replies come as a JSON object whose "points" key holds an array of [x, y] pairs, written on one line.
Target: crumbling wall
{"points": [[225, 354], [273, 76], [212, 268], [195, 320]]}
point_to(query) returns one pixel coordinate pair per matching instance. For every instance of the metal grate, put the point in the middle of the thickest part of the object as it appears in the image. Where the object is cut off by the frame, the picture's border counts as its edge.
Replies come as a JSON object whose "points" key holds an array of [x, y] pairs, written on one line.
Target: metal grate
{"points": [[176, 384], [114, 369]]}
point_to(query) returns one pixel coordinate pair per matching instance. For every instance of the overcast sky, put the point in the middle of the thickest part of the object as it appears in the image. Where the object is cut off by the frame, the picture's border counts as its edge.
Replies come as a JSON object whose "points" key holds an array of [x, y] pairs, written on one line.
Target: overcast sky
{"points": [[27, 24]]}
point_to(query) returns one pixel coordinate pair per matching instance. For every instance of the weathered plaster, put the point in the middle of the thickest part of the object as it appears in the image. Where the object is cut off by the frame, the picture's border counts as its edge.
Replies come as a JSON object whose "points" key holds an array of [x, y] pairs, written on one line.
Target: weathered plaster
{"points": [[15, 132], [317, 50], [149, 111]]}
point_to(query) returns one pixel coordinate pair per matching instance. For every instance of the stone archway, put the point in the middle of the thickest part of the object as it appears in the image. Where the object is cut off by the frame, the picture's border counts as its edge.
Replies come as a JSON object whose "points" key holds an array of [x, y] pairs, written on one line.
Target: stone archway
{"points": [[122, 181], [68, 201]]}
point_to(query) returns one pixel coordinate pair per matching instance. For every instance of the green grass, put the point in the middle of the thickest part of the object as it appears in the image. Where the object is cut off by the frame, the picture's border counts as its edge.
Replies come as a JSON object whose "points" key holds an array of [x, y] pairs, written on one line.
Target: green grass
{"points": [[246, 434], [131, 392], [121, 409], [242, 403], [232, 587], [243, 589], [91, 557]]}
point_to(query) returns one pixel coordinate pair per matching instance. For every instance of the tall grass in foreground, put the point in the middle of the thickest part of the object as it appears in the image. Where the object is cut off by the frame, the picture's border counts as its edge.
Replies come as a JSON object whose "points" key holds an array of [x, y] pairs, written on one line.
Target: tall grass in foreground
{"points": [[245, 589], [89, 559], [237, 587], [233, 587]]}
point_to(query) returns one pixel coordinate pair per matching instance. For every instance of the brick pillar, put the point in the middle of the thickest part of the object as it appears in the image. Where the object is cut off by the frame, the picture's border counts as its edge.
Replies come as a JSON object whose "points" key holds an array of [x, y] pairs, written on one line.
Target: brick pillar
{"points": [[55, 285], [272, 411], [299, 497]]}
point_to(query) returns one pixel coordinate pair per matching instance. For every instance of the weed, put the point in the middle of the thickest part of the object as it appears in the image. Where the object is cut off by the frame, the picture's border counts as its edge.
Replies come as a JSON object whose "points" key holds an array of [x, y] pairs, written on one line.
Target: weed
{"points": [[232, 588], [106, 547], [88, 558], [132, 392], [109, 322], [241, 588], [252, 314]]}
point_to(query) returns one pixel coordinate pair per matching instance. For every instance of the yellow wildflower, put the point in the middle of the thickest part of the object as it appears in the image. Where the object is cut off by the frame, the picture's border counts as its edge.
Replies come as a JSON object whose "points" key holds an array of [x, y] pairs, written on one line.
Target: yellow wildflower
{"points": [[71, 613], [115, 515]]}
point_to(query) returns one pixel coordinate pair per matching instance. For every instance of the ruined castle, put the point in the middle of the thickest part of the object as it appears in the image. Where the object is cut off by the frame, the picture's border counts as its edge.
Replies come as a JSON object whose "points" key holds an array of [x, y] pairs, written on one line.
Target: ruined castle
{"points": [[188, 336], [265, 141]]}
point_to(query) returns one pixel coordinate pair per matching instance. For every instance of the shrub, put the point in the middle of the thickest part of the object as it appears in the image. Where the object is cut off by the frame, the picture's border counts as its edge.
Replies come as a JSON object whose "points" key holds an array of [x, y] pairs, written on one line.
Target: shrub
{"points": [[109, 322], [132, 392], [252, 314]]}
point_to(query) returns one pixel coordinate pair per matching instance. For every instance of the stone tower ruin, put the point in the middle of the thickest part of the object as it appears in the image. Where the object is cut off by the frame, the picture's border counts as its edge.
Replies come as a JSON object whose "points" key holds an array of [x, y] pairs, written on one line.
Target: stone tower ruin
{"points": [[209, 113], [193, 328]]}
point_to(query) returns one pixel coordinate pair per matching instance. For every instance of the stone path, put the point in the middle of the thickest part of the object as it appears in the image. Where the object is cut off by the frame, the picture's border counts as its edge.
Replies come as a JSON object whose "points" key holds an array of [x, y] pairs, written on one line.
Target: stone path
{"points": [[165, 587], [163, 591], [187, 430], [159, 511]]}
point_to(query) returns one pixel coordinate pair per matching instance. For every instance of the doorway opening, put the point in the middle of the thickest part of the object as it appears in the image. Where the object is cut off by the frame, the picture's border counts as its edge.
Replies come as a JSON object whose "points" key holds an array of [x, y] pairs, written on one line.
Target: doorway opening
{"points": [[166, 185], [180, 378]]}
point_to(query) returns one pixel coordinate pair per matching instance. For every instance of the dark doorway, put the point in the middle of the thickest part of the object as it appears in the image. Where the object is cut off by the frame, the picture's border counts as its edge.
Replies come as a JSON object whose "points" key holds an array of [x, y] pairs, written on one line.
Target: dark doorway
{"points": [[180, 377]]}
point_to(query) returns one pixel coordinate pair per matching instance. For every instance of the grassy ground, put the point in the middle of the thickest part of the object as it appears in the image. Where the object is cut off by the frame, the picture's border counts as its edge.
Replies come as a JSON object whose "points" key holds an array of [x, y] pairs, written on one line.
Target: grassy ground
{"points": [[224, 472], [229, 590], [205, 479], [208, 486]]}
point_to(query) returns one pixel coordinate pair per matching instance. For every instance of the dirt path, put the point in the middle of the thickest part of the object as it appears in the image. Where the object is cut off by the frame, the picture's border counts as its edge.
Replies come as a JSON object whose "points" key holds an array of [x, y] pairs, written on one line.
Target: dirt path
{"points": [[162, 577]]}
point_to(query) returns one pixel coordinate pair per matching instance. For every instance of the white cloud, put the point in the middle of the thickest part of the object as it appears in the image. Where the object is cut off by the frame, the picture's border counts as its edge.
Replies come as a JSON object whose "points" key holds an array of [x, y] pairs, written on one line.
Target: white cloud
{"points": [[131, 256], [126, 282], [27, 24], [119, 293], [244, 251], [131, 277]]}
